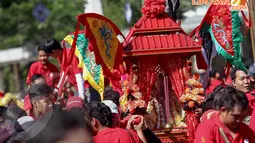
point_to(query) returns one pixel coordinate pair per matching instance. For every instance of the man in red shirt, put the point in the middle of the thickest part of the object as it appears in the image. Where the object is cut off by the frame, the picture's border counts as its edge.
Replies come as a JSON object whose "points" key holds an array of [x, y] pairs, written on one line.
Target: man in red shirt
{"points": [[241, 81], [54, 49], [227, 126], [100, 117], [44, 67], [40, 95], [36, 79]]}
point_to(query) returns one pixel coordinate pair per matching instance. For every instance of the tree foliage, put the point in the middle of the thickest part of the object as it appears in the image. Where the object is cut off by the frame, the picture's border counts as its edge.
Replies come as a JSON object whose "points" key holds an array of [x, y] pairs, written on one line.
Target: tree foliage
{"points": [[114, 10], [20, 28]]}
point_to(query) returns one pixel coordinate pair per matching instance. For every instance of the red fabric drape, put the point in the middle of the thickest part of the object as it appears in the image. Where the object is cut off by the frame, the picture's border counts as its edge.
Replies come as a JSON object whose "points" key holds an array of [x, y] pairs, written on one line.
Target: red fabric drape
{"points": [[177, 69], [175, 65], [192, 122], [201, 64], [147, 66]]}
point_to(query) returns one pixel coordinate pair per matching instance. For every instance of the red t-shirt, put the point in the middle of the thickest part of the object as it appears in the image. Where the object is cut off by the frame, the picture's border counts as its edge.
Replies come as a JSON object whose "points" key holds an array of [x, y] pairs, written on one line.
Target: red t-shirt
{"points": [[210, 114], [252, 121], [208, 132], [74, 66], [214, 83], [251, 99], [49, 71], [116, 135]]}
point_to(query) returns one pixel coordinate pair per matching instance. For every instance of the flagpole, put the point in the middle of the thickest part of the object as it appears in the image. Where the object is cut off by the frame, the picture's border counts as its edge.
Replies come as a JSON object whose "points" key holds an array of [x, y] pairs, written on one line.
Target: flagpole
{"points": [[251, 5]]}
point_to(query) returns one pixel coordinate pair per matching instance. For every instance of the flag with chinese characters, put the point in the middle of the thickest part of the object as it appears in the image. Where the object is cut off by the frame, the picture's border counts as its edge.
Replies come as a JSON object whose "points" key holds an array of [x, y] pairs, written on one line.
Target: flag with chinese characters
{"points": [[103, 35]]}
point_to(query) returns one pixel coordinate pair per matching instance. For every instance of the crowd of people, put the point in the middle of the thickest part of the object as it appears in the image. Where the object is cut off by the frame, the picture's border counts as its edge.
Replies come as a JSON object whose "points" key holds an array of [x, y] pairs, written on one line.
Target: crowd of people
{"points": [[48, 118], [227, 115], [228, 111], [77, 122]]}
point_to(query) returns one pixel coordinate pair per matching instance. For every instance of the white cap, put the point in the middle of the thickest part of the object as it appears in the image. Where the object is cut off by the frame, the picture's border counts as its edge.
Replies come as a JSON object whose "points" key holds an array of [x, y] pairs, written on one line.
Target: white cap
{"points": [[111, 105], [25, 119]]}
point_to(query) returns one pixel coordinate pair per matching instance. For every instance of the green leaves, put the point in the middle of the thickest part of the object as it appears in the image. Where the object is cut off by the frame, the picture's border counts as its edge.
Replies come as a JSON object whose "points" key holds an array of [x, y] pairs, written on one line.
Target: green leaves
{"points": [[114, 10], [19, 27]]}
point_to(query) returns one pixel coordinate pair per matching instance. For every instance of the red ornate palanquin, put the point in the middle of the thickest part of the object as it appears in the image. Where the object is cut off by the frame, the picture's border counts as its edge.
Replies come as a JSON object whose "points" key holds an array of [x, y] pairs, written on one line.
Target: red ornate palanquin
{"points": [[160, 49]]}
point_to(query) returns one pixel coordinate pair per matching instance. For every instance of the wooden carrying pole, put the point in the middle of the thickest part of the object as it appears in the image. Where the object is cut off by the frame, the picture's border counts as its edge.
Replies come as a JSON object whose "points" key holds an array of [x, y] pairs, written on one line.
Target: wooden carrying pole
{"points": [[251, 5]]}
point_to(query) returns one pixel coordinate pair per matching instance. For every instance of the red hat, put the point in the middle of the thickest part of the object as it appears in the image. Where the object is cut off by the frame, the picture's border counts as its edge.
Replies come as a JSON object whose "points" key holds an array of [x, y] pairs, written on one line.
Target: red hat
{"points": [[74, 101]]}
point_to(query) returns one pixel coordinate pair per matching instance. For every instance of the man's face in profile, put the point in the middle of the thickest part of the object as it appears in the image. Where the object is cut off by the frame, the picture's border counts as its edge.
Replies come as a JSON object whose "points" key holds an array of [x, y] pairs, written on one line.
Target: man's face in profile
{"points": [[242, 81]]}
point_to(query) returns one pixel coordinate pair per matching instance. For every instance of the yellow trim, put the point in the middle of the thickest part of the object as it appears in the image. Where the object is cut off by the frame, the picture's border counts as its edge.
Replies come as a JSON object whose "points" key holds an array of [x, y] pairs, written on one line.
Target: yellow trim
{"points": [[86, 74]]}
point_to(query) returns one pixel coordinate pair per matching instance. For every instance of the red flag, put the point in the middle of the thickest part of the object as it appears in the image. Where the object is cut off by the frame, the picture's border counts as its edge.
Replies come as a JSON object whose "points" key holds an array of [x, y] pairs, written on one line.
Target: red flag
{"points": [[219, 18], [67, 62], [223, 26]]}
